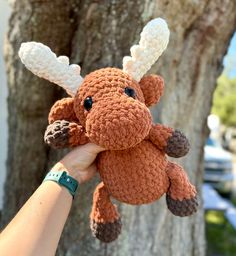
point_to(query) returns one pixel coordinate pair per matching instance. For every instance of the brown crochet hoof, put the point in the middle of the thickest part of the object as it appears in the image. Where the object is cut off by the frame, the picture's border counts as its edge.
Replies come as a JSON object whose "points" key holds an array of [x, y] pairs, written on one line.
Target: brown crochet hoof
{"points": [[106, 232], [57, 134], [182, 208], [177, 145]]}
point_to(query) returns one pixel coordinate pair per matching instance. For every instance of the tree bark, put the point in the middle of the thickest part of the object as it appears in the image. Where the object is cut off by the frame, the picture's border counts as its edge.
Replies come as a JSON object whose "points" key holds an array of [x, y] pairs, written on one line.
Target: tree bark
{"points": [[98, 34]]}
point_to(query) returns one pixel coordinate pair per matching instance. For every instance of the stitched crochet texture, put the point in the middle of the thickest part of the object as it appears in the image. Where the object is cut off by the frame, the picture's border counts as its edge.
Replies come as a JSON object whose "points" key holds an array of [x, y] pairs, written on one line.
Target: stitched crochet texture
{"points": [[134, 169]]}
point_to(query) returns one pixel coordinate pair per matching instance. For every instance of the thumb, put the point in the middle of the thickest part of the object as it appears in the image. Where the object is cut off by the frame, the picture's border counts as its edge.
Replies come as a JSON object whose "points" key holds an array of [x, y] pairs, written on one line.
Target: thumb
{"points": [[82, 157], [87, 174]]}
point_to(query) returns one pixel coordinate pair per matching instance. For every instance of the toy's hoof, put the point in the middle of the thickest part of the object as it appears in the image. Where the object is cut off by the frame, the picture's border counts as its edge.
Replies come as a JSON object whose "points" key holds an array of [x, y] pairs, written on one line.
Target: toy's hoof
{"points": [[177, 145], [106, 232], [57, 134], [182, 208]]}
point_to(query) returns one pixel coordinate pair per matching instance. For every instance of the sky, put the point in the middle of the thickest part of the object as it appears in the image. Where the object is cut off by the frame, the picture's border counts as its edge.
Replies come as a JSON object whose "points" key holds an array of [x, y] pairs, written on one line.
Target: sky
{"points": [[230, 59]]}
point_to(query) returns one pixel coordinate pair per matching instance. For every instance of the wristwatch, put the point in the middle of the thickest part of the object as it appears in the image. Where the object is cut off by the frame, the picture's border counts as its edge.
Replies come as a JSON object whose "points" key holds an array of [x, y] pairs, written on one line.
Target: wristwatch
{"points": [[63, 179]]}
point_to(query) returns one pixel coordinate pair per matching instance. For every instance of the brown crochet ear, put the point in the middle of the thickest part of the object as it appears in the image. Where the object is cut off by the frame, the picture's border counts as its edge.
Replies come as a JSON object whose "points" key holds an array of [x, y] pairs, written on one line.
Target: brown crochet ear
{"points": [[152, 87]]}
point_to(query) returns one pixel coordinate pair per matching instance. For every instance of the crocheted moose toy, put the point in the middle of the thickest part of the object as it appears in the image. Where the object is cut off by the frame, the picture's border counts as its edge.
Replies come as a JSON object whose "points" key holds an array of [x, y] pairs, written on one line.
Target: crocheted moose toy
{"points": [[109, 107]]}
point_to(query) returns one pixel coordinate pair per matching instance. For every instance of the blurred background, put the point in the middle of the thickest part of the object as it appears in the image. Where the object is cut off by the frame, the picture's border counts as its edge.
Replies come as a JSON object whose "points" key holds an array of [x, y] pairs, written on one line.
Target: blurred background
{"points": [[5, 12], [199, 69]]}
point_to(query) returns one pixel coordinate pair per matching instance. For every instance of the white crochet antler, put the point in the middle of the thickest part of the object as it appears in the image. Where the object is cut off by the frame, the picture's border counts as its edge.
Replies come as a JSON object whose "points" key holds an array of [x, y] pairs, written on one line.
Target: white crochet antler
{"points": [[154, 40], [41, 61]]}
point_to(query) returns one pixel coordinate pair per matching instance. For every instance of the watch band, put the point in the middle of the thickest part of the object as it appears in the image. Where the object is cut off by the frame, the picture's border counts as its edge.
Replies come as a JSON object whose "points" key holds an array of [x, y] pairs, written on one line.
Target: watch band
{"points": [[63, 179]]}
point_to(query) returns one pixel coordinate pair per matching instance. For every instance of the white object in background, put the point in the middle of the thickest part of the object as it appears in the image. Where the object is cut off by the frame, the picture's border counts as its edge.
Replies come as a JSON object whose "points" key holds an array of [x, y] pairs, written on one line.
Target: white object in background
{"points": [[213, 122], [212, 200]]}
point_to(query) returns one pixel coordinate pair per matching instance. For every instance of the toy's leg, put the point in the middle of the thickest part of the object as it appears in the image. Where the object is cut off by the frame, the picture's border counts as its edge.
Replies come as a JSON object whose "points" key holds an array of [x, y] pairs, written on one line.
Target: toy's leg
{"points": [[181, 196], [105, 220]]}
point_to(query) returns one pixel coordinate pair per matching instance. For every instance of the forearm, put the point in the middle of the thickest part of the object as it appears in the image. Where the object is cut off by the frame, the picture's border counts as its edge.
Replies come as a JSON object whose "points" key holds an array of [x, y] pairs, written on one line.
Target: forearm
{"points": [[37, 227]]}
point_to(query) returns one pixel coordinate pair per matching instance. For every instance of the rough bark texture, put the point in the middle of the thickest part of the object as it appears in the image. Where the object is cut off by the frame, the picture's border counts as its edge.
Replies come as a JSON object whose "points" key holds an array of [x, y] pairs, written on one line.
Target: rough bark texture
{"points": [[98, 34]]}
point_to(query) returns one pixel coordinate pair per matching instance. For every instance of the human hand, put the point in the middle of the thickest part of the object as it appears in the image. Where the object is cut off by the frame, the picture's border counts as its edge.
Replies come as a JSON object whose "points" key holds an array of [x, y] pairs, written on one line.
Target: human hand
{"points": [[79, 162]]}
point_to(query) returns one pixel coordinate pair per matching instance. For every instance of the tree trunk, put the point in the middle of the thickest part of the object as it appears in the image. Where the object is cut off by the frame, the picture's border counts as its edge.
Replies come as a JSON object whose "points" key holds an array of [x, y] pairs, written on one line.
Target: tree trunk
{"points": [[98, 34]]}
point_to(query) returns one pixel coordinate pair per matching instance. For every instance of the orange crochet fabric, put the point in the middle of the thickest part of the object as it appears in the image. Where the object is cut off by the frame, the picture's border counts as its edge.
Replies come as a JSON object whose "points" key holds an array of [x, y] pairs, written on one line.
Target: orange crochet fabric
{"points": [[111, 110]]}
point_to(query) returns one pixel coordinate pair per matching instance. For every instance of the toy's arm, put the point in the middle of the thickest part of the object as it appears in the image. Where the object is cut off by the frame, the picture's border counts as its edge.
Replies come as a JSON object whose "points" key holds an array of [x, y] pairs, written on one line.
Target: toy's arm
{"points": [[172, 142], [64, 129]]}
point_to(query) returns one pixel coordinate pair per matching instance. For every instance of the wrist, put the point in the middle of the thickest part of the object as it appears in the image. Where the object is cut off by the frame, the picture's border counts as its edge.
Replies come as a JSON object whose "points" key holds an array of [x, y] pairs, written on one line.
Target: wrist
{"points": [[64, 180], [57, 188], [61, 167]]}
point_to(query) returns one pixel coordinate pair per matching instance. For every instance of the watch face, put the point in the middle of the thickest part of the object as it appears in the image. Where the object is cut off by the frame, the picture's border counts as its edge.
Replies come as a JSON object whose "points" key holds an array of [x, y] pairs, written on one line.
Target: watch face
{"points": [[69, 182]]}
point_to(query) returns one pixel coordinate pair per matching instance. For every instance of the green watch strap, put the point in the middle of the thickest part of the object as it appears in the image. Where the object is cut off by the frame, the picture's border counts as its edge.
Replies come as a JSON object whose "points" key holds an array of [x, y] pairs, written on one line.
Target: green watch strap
{"points": [[63, 179]]}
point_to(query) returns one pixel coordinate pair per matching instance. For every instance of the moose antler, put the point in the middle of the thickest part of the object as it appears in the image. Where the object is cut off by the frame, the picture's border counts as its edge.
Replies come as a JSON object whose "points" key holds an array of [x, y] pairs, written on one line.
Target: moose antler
{"points": [[41, 61], [154, 40]]}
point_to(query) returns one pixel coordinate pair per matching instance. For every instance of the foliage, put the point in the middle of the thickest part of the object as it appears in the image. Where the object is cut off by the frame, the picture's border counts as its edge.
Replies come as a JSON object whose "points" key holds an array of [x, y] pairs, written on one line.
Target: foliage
{"points": [[221, 236], [224, 100]]}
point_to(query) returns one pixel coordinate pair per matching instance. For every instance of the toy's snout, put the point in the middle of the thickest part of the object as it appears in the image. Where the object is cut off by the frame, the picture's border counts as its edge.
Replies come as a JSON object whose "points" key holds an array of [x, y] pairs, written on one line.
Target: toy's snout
{"points": [[118, 123]]}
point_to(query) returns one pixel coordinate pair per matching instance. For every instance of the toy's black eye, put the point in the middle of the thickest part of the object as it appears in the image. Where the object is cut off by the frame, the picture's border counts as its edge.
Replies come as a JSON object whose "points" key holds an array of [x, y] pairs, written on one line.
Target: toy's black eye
{"points": [[130, 92], [88, 102]]}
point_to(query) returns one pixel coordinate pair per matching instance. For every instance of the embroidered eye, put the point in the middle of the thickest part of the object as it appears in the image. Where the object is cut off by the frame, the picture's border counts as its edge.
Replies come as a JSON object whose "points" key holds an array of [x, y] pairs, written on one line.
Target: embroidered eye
{"points": [[130, 92], [88, 102]]}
